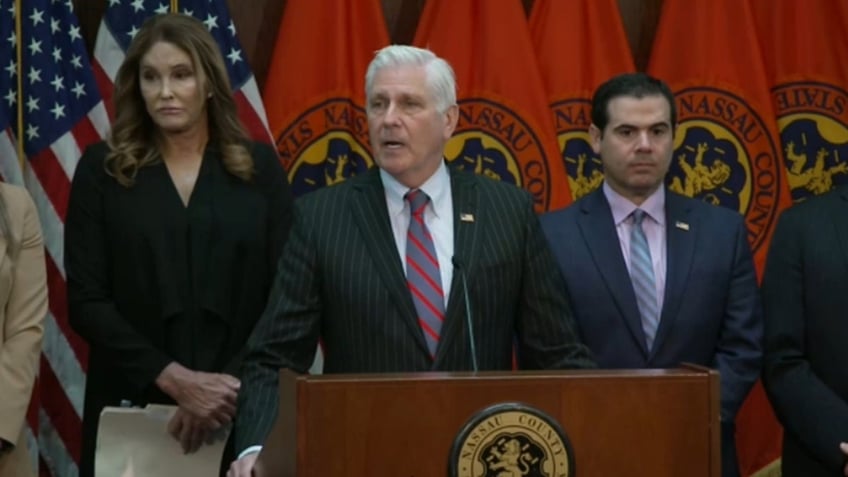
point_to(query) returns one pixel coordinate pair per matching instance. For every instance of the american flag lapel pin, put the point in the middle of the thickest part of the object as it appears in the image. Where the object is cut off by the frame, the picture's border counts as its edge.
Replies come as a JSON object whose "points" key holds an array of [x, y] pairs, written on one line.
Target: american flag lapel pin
{"points": [[466, 217], [681, 225]]}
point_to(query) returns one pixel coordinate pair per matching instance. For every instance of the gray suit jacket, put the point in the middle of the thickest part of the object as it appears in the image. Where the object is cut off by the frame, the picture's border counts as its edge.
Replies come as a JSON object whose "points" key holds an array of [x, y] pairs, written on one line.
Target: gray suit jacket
{"points": [[340, 278]]}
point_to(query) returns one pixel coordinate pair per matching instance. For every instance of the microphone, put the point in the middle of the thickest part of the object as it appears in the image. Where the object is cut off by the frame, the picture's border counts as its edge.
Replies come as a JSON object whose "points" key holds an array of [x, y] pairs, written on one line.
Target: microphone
{"points": [[457, 266]]}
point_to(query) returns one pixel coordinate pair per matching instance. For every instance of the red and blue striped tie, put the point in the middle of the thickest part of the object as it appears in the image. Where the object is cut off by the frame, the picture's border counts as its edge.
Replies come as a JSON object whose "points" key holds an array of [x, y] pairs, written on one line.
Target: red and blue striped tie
{"points": [[422, 271]]}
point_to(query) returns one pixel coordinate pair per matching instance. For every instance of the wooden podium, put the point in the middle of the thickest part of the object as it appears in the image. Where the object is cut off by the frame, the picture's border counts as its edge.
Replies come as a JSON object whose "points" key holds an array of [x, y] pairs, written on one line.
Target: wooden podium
{"points": [[619, 423]]}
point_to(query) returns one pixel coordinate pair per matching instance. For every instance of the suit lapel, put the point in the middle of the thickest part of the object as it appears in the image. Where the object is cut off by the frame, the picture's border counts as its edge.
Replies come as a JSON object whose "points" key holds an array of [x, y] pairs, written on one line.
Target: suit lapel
{"points": [[372, 218], [598, 230], [466, 218], [680, 251]]}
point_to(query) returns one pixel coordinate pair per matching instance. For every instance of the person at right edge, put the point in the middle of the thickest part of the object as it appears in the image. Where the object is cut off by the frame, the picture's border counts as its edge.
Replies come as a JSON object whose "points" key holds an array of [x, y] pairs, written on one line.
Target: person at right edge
{"points": [[806, 334], [656, 278]]}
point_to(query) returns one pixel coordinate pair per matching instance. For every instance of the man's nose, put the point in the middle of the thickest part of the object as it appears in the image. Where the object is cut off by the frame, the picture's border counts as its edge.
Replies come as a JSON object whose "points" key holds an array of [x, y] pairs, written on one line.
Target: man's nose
{"points": [[392, 114], [643, 141]]}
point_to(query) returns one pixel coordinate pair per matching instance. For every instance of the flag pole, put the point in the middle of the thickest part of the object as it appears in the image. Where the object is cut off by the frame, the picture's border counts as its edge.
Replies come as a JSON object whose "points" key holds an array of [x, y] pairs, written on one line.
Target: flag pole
{"points": [[19, 55], [175, 6]]}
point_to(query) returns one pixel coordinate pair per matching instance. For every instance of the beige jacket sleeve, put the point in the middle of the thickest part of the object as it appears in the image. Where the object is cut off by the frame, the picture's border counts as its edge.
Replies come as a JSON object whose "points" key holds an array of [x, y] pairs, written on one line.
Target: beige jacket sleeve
{"points": [[23, 307]]}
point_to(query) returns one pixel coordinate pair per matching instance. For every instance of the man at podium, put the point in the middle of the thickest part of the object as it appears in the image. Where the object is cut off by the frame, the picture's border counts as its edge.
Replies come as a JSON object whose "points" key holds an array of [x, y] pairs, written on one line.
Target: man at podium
{"points": [[409, 267]]}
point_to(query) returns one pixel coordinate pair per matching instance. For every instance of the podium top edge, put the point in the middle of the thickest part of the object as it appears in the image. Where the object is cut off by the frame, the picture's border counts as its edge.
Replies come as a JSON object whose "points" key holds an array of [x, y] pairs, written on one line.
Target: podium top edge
{"points": [[499, 375]]}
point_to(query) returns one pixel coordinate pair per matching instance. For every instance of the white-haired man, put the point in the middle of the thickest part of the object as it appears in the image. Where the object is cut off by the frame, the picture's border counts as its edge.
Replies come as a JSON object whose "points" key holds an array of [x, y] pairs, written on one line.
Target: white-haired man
{"points": [[371, 266]]}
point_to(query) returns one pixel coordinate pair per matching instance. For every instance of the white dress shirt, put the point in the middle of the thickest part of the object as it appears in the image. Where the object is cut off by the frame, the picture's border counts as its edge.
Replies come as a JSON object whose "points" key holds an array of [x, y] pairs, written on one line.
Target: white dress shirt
{"points": [[438, 216]]}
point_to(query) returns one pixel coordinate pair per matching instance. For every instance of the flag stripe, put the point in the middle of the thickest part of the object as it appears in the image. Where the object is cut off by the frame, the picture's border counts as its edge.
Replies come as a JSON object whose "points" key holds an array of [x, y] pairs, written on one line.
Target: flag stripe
{"points": [[256, 128], [67, 342], [67, 372], [99, 118], [62, 416], [53, 180], [251, 93], [53, 451], [108, 54], [52, 226]]}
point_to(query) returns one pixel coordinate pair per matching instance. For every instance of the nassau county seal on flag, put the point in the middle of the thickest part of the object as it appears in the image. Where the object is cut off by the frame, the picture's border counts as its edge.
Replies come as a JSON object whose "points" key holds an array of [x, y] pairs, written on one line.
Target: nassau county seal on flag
{"points": [[327, 144], [813, 122], [724, 154]]}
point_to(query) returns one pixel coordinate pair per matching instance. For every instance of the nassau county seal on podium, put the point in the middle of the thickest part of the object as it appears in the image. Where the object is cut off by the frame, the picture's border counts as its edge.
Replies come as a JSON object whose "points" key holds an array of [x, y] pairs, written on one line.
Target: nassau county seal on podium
{"points": [[511, 440]]}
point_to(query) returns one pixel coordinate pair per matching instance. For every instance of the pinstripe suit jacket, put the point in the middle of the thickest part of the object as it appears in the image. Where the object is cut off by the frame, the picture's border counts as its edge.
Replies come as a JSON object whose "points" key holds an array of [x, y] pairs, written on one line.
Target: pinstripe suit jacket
{"points": [[341, 279]]}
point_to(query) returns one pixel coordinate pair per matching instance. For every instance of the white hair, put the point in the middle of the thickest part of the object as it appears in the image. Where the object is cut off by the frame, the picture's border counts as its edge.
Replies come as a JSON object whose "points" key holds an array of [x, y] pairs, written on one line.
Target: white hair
{"points": [[440, 77]]}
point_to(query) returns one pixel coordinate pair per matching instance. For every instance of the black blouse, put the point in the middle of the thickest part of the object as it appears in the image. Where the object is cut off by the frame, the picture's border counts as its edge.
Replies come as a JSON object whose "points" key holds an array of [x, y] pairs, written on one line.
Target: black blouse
{"points": [[151, 280]]}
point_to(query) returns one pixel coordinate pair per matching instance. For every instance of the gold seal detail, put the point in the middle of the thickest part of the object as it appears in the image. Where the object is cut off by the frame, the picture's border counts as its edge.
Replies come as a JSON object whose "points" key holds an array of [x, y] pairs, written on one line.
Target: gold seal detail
{"points": [[509, 440]]}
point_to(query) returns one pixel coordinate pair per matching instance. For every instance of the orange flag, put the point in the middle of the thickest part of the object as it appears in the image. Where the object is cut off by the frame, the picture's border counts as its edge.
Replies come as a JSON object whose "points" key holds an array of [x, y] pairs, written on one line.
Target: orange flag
{"points": [[727, 150], [805, 50], [726, 147], [315, 90], [505, 129], [579, 45]]}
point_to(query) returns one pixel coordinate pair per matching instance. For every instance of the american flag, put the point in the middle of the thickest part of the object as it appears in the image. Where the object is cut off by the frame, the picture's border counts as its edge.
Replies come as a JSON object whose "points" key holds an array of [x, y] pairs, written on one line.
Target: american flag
{"points": [[121, 22], [62, 114]]}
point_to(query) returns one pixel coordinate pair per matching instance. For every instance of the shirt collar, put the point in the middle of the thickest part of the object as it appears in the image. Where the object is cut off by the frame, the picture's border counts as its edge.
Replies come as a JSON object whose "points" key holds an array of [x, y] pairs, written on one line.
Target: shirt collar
{"points": [[622, 207], [437, 187]]}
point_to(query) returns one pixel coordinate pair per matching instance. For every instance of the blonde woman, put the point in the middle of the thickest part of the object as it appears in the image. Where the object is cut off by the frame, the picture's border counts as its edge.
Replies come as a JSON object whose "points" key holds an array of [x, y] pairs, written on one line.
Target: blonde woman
{"points": [[174, 228]]}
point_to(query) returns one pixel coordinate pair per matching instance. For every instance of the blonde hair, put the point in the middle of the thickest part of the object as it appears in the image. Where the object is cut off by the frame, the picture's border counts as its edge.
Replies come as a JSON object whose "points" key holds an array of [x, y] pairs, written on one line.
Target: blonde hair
{"points": [[134, 141]]}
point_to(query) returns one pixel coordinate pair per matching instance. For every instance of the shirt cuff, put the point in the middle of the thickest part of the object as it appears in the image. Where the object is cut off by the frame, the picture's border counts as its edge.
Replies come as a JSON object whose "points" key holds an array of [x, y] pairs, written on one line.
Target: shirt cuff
{"points": [[250, 450]]}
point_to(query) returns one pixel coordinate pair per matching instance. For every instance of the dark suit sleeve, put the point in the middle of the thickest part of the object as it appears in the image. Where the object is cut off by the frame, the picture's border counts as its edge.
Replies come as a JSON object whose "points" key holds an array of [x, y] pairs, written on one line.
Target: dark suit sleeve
{"points": [[92, 310], [546, 327], [739, 350], [806, 406], [285, 337], [272, 180]]}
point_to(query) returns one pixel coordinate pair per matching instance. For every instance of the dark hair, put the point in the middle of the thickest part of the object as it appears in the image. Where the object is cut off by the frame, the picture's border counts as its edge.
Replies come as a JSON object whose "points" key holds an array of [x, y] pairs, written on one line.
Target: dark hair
{"points": [[133, 139], [637, 85]]}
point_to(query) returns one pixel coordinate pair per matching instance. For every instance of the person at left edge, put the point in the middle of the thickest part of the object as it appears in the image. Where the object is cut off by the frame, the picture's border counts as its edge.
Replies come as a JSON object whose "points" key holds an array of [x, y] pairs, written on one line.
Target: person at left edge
{"points": [[23, 307], [173, 232]]}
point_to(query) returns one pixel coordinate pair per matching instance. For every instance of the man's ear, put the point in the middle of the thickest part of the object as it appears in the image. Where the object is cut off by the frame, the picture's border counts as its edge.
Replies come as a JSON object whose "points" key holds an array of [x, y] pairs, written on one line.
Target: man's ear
{"points": [[451, 119], [595, 136]]}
